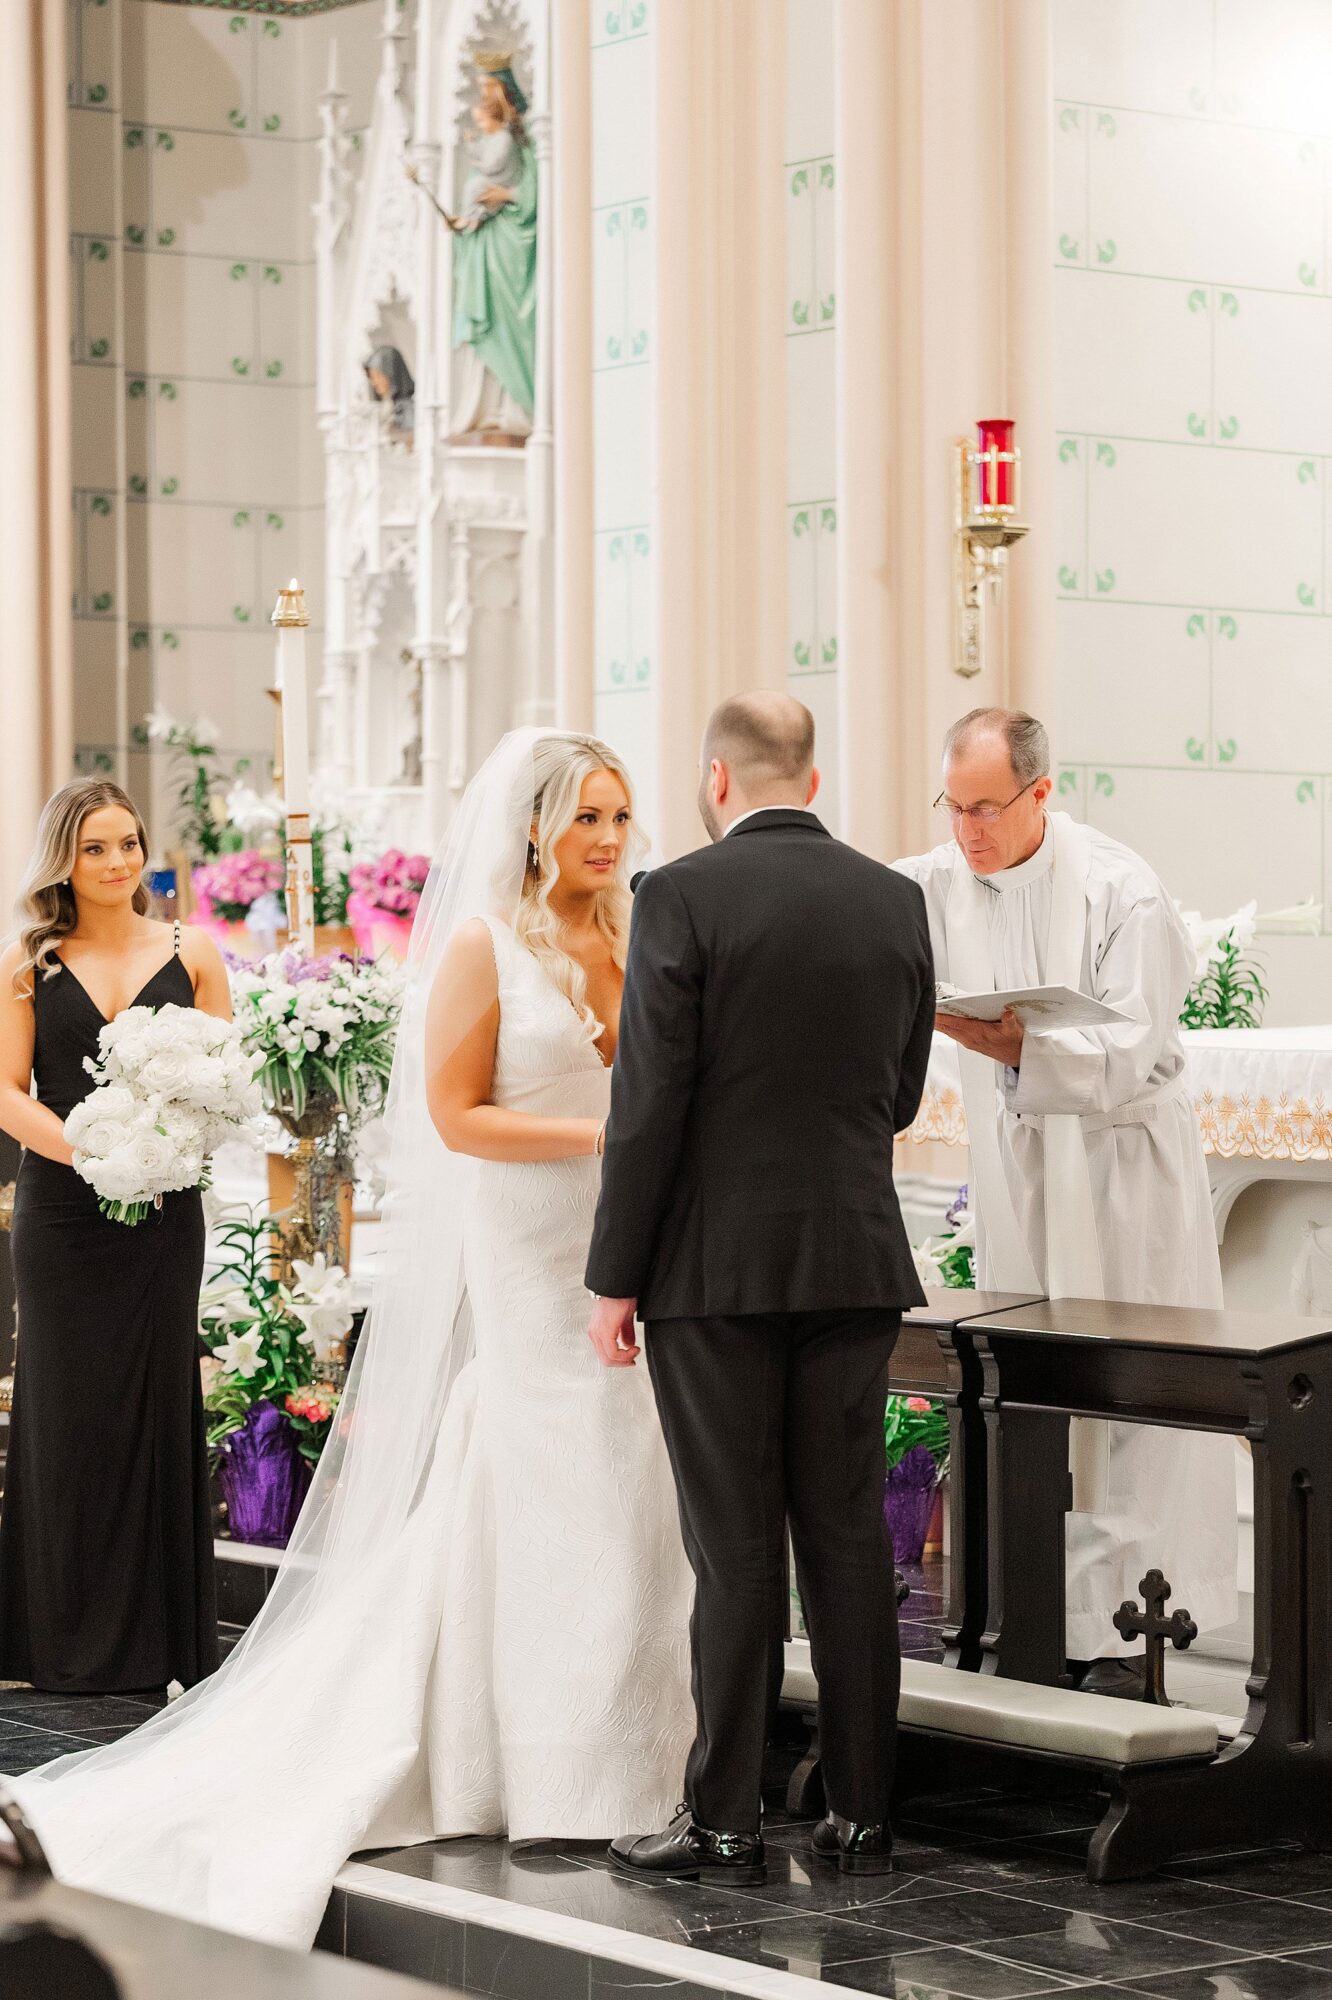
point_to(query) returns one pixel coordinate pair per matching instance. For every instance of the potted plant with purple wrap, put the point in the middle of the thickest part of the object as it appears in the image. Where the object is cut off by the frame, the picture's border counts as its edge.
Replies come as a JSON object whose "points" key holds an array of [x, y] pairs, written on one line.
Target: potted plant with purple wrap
{"points": [[271, 1351], [915, 1427]]}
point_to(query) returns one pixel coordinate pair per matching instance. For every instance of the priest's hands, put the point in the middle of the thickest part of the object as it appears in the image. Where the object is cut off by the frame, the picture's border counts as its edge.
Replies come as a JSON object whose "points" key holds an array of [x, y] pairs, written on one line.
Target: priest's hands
{"points": [[1001, 1040], [611, 1332]]}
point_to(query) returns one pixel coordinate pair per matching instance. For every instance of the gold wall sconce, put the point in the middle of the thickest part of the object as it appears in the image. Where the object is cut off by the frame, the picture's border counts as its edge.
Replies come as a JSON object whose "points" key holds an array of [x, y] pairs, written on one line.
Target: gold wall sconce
{"points": [[986, 491]]}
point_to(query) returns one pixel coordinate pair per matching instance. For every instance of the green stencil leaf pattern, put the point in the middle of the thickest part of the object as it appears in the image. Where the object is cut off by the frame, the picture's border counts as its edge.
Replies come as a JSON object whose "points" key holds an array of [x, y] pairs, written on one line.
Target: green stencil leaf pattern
{"points": [[800, 181], [642, 542], [138, 485], [272, 123], [1227, 750], [1104, 784], [169, 486], [167, 391], [236, 25], [273, 520], [1106, 125], [1198, 299], [98, 251], [241, 613], [1196, 625], [1307, 595], [239, 271], [827, 307], [139, 639], [639, 343], [240, 519], [1194, 750], [1306, 152], [100, 349], [1229, 305], [1068, 578], [165, 143], [1306, 792], [273, 370], [103, 601], [1306, 472], [272, 275], [1070, 118], [1070, 248], [800, 523], [1106, 455], [1196, 424], [99, 504], [171, 642], [134, 233], [1308, 275], [800, 653], [98, 93], [1105, 579], [272, 30], [1068, 450], [165, 238], [1228, 427], [1107, 252], [642, 668], [828, 520], [136, 388], [236, 120], [829, 651], [134, 136], [1226, 626], [239, 366], [800, 313], [1068, 783]]}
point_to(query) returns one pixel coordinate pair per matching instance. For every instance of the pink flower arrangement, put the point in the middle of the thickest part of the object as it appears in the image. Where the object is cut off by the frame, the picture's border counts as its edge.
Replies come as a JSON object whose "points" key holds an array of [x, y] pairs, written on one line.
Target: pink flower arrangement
{"points": [[316, 1404], [393, 883], [230, 886]]}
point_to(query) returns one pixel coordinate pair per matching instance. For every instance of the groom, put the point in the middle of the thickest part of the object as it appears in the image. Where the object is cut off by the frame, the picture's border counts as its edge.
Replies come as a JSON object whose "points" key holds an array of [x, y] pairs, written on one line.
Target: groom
{"points": [[778, 1007]]}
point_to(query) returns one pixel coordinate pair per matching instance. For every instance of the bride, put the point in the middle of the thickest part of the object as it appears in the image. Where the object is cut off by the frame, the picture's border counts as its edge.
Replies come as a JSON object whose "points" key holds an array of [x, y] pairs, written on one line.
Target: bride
{"points": [[480, 1626]]}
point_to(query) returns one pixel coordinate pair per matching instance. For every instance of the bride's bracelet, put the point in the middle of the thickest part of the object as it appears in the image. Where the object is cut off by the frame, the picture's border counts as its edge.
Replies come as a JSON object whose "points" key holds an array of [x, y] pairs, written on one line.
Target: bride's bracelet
{"points": [[599, 1143]]}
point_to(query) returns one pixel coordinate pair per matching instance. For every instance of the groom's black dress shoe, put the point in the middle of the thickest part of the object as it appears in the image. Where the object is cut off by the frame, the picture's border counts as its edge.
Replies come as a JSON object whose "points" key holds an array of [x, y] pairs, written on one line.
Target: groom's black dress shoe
{"points": [[692, 1852], [857, 1849]]}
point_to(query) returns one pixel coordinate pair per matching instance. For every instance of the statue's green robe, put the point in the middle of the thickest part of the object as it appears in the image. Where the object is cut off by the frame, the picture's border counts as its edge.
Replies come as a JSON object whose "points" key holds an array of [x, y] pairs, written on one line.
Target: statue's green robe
{"points": [[494, 288]]}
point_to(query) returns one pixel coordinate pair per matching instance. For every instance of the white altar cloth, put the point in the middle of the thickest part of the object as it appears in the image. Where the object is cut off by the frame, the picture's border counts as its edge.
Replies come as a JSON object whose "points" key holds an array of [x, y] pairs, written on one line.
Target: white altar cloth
{"points": [[1260, 1093]]}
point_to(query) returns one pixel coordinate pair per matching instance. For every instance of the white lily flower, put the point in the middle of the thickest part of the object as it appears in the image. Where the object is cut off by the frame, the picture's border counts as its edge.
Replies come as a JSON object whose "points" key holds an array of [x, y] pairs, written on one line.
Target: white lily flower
{"points": [[239, 1353]]}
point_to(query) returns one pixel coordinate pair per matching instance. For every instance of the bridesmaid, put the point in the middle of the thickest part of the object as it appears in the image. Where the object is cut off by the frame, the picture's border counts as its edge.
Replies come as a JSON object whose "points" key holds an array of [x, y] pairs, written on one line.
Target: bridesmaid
{"points": [[106, 1553]]}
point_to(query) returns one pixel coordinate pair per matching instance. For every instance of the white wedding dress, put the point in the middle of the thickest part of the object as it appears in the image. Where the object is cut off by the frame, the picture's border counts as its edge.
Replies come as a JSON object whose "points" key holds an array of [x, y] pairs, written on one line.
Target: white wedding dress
{"points": [[519, 1662]]}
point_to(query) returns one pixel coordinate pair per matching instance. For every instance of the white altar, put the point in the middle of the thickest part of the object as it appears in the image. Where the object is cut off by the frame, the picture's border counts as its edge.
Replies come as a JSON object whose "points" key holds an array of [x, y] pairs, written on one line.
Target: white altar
{"points": [[1264, 1102]]}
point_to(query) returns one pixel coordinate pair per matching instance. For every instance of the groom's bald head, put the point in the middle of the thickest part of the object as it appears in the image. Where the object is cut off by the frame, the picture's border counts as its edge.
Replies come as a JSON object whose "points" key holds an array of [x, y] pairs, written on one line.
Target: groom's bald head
{"points": [[758, 750]]}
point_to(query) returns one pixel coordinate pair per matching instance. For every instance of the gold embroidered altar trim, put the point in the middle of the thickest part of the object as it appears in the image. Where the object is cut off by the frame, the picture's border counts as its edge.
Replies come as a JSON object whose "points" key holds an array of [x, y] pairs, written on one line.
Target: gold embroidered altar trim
{"points": [[1233, 1128]]}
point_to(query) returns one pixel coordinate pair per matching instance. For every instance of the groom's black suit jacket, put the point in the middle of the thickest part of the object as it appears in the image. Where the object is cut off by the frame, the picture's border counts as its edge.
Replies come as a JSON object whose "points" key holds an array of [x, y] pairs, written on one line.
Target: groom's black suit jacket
{"points": [[778, 1007]]}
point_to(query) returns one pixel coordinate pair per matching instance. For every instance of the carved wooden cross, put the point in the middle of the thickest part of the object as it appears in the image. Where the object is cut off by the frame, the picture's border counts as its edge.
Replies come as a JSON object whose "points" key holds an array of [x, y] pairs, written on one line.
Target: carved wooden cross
{"points": [[1153, 1625]]}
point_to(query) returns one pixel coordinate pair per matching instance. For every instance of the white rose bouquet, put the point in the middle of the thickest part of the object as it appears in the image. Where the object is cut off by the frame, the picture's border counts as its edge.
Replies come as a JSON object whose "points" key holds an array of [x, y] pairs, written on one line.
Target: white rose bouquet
{"points": [[172, 1084], [321, 1026]]}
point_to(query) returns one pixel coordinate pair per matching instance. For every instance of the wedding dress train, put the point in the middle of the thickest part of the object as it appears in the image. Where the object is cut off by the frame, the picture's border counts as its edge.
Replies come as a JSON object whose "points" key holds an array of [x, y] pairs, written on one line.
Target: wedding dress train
{"points": [[517, 1661]]}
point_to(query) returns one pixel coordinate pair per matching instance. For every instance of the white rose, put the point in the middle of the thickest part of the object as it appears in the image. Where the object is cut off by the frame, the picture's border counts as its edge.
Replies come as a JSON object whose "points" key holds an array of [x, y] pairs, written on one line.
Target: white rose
{"points": [[155, 1159], [168, 1072]]}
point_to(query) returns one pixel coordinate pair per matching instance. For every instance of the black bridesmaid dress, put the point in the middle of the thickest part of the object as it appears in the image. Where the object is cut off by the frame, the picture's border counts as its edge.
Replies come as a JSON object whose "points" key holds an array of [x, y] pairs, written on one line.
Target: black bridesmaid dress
{"points": [[106, 1535]]}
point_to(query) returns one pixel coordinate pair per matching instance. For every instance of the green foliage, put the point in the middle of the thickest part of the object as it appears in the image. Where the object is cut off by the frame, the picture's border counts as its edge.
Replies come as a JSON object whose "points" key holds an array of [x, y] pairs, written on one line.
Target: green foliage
{"points": [[912, 1420], [1229, 994], [957, 1265], [244, 1297]]}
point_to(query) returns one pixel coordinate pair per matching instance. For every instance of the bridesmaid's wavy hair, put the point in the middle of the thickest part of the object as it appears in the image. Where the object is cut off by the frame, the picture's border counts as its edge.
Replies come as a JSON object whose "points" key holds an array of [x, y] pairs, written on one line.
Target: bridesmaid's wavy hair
{"points": [[559, 766], [46, 908]]}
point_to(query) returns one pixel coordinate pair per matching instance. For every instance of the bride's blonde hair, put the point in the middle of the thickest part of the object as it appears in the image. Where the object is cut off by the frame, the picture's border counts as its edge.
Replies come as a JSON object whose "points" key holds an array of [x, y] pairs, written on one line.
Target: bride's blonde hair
{"points": [[560, 764], [46, 909]]}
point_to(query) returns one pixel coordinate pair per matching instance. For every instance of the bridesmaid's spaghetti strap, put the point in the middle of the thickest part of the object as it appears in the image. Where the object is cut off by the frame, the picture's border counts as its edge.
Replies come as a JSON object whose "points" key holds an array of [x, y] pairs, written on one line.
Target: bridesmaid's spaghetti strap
{"points": [[175, 947]]}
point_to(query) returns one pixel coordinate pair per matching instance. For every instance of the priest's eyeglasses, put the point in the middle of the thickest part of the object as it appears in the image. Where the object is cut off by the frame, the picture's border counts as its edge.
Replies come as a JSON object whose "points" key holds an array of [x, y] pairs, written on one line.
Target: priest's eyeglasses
{"points": [[979, 815]]}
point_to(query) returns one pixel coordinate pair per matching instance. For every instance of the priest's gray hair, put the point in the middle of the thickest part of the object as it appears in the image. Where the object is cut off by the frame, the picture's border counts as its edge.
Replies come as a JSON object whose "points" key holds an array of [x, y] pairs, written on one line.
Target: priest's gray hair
{"points": [[766, 739], [1028, 743]]}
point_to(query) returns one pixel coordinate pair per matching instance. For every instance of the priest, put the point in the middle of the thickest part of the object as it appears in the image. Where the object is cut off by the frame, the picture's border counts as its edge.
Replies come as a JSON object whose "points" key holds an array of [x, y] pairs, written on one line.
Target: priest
{"points": [[1087, 1170]]}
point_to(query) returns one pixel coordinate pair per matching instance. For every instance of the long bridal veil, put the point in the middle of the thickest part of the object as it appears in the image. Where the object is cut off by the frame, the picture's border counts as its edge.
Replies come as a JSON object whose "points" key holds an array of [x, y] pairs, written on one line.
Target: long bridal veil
{"points": [[238, 1802]]}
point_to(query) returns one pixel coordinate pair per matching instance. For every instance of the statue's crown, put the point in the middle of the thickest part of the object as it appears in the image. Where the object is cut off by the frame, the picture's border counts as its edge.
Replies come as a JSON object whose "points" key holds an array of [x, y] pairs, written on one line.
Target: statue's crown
{"points": [[494, 60]]}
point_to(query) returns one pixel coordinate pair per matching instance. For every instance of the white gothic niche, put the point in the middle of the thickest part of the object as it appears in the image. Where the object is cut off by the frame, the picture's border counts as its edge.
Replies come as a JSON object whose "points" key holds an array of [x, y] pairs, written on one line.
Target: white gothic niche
{"points": [[434, 408]]}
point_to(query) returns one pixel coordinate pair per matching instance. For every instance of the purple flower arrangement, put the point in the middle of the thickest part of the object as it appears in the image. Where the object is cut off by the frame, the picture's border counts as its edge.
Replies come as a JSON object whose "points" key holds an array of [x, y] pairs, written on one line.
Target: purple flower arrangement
{"points": [[231, 885], [393, 883]]}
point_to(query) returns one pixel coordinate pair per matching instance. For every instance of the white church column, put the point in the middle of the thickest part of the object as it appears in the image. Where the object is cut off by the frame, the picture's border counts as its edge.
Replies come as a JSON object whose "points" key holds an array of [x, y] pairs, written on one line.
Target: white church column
{"points": [[36, 573], [569, 234], [433, 349], [719, 377], [538, 544]]}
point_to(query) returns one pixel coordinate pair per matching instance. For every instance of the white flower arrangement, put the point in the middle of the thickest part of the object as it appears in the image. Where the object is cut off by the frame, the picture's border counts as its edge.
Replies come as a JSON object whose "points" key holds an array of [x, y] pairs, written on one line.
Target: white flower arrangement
{"points": [[171, 1084], [321, 1023]]}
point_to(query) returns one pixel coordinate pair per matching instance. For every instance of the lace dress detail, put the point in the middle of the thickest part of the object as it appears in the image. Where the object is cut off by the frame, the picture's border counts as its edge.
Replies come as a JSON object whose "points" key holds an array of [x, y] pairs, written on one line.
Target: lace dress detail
{"points": [[521, 1666]]}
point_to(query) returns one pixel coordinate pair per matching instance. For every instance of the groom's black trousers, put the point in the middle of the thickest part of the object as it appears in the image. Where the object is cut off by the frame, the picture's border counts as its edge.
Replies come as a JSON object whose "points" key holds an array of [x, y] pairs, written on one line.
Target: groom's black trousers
{"points": [[771, 1419]]}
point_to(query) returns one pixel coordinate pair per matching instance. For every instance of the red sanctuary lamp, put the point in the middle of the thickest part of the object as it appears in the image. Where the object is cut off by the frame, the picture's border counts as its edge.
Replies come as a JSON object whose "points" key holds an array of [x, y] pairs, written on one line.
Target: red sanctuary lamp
{"points": [[995, 463]]}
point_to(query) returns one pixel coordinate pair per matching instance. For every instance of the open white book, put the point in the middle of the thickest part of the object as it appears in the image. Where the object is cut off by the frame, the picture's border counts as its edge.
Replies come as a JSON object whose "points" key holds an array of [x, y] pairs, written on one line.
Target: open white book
{"points": [[1041, 1009]]}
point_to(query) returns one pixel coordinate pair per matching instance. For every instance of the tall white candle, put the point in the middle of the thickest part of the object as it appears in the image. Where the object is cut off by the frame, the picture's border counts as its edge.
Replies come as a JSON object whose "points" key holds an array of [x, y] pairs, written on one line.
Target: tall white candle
{"points": [[290, 618]]}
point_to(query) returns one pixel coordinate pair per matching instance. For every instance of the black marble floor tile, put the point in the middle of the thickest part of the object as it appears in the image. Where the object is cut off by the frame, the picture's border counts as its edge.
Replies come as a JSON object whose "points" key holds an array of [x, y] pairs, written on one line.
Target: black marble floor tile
{"points": [[932, 1974], [1293, 1872], [797, 1881], [516, 1968], [1161, 1900], [988, 1864], [73, 1714], [1091, 1948], [610, 1981], [38, 1746], [965, 1916], [811, 1943], [1256, 1924], [1253, 1979], [1012, 1818], [418, 1942]]}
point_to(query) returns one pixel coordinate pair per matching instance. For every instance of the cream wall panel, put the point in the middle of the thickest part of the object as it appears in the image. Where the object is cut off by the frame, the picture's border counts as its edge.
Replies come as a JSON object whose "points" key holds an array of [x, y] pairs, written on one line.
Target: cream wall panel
{"points": [[188, 66], [230, 441], [199, 567], [1272, 691], [1156, 54], [1245, 207], [810, 79], [232, 196], [222, 675], [95, 393], [94, 688], [1068, 539], [1125, 664], [811, 430], [623, 416], [1273, 63], [93, 138], [1135, 354], [1182, 524], [1273, 378], [1216, 839], [626, 719], [188, 316], [283, 96], [622, 152], [819, 694]]}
